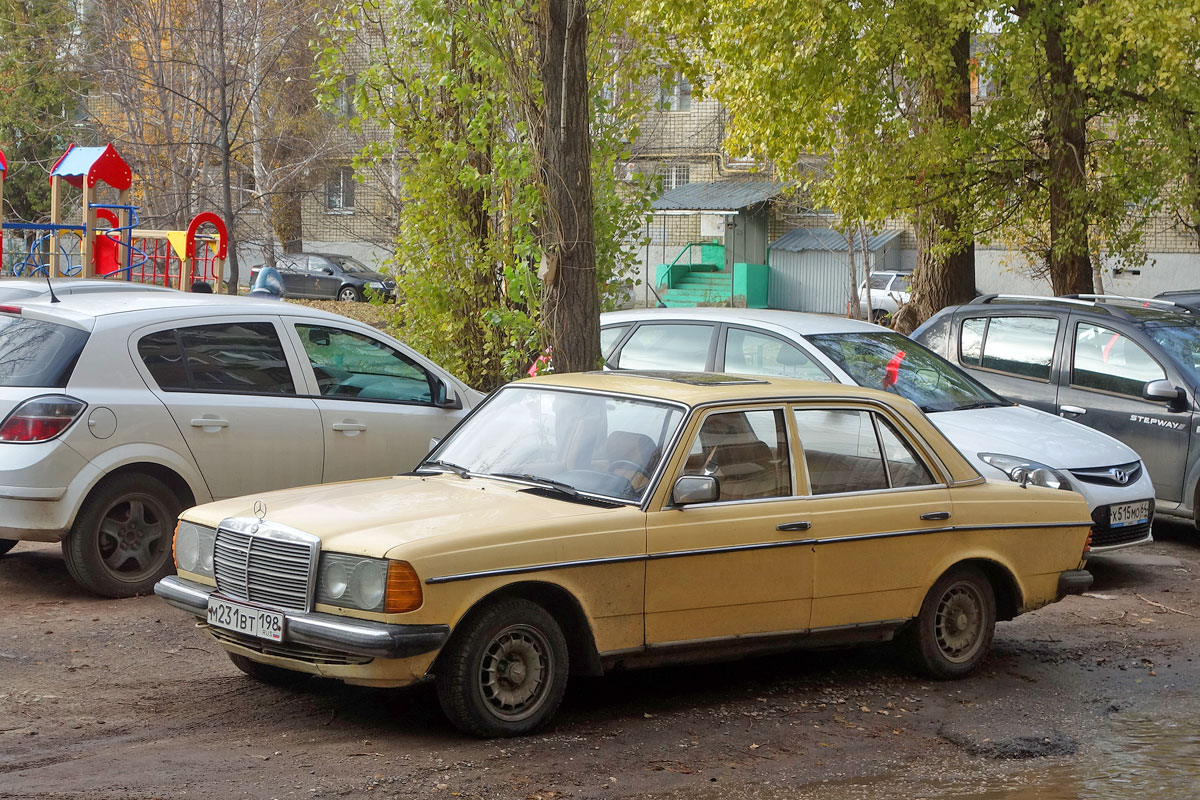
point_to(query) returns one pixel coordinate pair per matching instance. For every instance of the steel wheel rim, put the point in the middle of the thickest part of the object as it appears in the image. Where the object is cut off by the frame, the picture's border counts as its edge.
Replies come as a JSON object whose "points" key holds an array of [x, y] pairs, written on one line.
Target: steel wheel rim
{"points": [[958, 623], [132, 537], [515, 672]]}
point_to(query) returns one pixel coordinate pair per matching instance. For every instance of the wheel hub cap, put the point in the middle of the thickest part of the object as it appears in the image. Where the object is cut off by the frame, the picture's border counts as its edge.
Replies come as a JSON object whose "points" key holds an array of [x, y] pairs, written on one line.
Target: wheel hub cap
{"points": [[959, 622], [515, 671], [130, 535]]}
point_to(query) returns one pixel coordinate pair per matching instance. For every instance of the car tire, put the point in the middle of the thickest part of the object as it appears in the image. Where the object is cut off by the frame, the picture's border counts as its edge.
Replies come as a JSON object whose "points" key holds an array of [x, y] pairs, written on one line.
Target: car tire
{"points": [[350, 294], [268, 674], [954, 629], [7, 544], [120, 544], [504, 671]]}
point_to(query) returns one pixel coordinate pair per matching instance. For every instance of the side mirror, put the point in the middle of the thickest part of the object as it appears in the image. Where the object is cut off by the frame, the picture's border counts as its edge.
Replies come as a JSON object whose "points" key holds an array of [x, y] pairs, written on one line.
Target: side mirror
{"points": [[442, 396], [319, 336], [327, 270], [691, 489], [1162, 392]]}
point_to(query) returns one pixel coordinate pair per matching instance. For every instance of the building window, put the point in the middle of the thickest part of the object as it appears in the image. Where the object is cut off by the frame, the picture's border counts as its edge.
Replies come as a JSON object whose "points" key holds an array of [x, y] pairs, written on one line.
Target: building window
{"points": [[344, 103], [339, 191], [674, 176], [675, 93]]}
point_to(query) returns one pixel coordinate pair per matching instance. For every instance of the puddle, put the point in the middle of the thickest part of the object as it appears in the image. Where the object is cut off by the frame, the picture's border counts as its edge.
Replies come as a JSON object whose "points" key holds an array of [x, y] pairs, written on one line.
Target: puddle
{"points": [[1155, 759], [1158, 759]]}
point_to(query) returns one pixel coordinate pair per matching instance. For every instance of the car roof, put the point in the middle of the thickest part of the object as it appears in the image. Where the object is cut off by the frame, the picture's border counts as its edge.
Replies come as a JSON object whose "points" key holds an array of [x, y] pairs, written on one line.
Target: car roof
{"points": [[800, 322], [1129, 309], [36, 286], [698, 388], [85, 309]]}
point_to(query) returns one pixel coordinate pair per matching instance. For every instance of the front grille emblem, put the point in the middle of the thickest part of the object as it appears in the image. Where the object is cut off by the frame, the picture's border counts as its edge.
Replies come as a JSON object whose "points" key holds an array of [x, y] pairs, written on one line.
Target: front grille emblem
{"points": [[1117, 474]]}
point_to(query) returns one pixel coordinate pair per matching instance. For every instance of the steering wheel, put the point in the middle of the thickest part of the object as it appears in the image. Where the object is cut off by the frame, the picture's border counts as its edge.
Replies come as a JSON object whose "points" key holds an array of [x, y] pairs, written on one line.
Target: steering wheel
{"points": [[629, 470]]}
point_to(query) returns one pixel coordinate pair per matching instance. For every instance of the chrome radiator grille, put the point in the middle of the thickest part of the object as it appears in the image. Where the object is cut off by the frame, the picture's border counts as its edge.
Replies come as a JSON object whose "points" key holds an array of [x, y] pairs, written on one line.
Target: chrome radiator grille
{"points": [[263, 564]]}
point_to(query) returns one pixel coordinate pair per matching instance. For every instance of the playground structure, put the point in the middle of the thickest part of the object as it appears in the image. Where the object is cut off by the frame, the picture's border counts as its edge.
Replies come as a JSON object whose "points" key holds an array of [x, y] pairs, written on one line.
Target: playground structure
{"points": [[120, 250]]}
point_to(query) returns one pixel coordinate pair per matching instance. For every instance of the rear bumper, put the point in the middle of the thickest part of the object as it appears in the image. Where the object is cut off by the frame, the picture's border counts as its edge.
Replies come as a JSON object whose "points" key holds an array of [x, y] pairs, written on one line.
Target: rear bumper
{"points": [[326, 631], [1075, 581], [41, 486]]}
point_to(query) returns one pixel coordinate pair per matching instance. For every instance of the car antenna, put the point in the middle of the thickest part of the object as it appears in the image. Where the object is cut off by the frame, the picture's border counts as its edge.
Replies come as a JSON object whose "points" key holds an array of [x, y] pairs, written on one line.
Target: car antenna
{"points": [[49, 285]]}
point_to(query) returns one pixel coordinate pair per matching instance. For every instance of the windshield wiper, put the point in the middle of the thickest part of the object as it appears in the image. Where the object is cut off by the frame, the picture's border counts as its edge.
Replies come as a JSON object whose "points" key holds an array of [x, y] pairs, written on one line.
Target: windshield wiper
{"points": [[983, 404], [446, 465], [546, 483]]}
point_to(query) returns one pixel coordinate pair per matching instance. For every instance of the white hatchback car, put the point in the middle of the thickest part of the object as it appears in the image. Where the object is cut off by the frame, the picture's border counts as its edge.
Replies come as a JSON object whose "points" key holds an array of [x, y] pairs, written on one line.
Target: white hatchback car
{"points": [[119, 409], [889, 291], [1002, 439]]}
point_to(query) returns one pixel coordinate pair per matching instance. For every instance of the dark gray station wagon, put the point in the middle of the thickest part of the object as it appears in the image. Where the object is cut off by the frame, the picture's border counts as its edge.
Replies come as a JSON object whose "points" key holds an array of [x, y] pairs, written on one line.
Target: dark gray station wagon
{"points": [[1129, 367]]}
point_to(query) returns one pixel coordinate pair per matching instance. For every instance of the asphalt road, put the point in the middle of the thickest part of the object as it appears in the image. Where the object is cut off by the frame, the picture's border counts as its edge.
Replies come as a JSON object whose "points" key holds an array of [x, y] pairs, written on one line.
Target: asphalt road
{"points": [[123, 699]]}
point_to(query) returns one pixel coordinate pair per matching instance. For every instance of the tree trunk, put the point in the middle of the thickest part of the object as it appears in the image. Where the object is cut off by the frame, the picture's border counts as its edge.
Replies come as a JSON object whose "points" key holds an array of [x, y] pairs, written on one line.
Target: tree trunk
{"points": [[852, 310], [1066, 143], [943, 278], [572, 298], [224, 145], [287, 215]]}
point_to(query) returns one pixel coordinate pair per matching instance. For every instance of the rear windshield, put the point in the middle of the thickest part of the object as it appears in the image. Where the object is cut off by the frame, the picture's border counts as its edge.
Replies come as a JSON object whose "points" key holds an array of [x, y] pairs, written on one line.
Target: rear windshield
{"points": [[37, 353]]}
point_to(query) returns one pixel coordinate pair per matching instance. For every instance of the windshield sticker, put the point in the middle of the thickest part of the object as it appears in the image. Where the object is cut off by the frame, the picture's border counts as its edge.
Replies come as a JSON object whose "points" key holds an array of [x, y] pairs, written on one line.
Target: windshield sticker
{"points": [[892, 371], [1174, 426]]}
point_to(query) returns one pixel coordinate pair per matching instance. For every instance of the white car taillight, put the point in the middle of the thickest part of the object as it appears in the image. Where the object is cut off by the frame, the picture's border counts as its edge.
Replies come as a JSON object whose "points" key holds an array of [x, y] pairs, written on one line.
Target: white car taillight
{"points": [[40, 419]]}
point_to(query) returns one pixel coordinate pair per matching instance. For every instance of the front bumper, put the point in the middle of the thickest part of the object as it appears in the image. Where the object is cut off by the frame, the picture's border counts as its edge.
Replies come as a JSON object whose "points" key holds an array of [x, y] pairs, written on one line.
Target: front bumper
{"points": [[326, 631], [1105, 537], [1075, 581]]}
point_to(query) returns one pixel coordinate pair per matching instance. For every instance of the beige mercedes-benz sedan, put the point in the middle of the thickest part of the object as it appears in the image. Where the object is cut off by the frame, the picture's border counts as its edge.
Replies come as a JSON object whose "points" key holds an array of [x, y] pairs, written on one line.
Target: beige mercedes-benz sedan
{"points": [[579, 523]]}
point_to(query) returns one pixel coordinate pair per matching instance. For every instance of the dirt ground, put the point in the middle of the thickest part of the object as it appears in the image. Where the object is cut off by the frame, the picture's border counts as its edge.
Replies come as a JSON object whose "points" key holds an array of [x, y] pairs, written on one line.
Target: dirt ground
{"points": [[123, 699]]}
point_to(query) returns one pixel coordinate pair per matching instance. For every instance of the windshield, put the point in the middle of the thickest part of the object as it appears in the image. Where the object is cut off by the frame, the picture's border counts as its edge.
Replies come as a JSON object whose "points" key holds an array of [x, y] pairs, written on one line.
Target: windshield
{"points": [[1182, 345], [598, 444], [348, 264], [37, 353], [895, 363]]}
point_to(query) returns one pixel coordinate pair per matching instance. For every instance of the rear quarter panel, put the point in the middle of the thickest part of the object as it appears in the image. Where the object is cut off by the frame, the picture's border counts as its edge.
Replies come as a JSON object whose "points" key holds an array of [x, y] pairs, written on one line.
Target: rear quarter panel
{"points": [[1046, 535]]}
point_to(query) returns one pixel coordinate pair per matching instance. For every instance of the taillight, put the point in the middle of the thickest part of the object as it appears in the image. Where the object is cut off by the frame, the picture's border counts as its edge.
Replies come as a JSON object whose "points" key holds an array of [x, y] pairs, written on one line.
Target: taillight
{"points": [[1087, 546], [40, 419]]}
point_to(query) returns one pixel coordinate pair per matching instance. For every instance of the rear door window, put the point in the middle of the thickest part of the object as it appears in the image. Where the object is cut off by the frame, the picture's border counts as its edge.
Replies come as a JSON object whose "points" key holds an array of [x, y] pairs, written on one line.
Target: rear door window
{"points": [[237, 357], [36, 353], [1022, 346], [850, 450], [668, 346], [609, 337]]}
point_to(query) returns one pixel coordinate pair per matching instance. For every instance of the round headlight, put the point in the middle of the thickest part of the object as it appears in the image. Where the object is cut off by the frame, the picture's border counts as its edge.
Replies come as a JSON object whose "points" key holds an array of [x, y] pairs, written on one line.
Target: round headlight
{"points": [[370, 581], [337, 578], [187, 547]]}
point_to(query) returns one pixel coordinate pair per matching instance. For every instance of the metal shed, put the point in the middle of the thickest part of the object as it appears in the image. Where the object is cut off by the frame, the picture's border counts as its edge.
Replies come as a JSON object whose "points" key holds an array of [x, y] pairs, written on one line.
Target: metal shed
{"points": [[810, 268]]}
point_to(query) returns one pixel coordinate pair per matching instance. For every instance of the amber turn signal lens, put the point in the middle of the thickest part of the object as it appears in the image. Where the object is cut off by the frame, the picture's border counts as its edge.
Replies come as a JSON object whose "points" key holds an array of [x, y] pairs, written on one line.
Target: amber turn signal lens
{"points": [[403, 588], [175, 544], [1087, 546]]}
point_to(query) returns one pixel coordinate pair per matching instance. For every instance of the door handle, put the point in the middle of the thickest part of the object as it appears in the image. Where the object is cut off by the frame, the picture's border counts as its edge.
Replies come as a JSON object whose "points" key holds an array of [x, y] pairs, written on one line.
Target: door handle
{"points": [[210, 422], [349, 426], [936, 515], [794, 526], [1072, 410]]}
